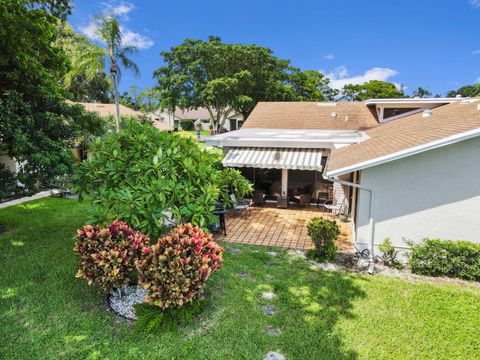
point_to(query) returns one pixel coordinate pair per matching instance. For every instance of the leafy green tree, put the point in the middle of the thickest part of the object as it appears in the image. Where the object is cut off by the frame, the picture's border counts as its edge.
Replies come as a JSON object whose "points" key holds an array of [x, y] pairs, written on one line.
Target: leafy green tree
{"points": [[311, 85], [374, 89], [221, 77], [37, 127], [141, 174], [421, 92], [466, 91], [118, 55], [149, 99], [86, 79]]}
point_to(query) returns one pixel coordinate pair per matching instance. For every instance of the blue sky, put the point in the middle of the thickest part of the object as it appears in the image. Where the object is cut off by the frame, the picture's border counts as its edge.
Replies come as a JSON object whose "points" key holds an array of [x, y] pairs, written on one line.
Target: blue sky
{"points": [[430, 43]]}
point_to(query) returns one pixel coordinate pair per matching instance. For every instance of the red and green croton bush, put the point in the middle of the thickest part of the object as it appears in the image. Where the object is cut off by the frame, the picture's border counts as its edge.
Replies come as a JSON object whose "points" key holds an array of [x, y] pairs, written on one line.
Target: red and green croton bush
{"points": [[107, 255], [176, 269]]}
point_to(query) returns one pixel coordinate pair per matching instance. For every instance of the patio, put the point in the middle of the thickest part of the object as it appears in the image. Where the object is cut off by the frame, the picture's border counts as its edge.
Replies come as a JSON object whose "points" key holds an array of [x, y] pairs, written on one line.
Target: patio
{"points": [[279, 227]]}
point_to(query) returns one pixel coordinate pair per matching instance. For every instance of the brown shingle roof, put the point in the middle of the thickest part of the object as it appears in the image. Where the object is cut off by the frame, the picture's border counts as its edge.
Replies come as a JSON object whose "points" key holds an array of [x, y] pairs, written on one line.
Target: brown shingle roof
{"points": [[311, 115], [407, 133], [110, 110]]}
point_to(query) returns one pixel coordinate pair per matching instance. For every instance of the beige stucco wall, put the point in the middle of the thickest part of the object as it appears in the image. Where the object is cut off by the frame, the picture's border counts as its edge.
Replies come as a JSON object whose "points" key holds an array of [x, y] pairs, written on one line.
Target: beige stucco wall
{"points": [[9, 162], [435, 194]]}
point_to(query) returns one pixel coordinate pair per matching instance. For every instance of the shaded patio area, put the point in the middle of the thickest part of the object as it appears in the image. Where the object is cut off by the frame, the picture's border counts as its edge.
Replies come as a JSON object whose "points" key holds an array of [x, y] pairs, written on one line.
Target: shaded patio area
{"points": [[279, 227]]}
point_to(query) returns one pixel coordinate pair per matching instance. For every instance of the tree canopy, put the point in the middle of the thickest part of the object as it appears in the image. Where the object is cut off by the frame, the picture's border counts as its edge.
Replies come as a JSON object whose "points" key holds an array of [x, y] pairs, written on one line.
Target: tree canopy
{"points": [[374, 89], [227, 78], [466, 91], [85, 80], [37, 127]]}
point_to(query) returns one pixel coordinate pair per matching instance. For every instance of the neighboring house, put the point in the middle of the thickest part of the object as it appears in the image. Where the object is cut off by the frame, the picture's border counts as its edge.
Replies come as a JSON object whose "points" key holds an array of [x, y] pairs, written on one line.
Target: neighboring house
{"points": [[417, 157], [80, 151], [199, 116], [105, 110]]}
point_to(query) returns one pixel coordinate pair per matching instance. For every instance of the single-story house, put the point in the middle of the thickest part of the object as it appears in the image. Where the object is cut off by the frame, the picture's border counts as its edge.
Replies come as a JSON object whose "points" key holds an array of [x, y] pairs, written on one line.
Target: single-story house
{"points": [[105, 110], [199, 116], [402, 168], [80, 151]]}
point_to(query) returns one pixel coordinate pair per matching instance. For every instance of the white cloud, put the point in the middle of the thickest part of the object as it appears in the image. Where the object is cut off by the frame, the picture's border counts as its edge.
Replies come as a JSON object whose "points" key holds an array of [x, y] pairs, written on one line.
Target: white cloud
{"points": [[120, 9], [329, 56], [129, 37], [475, 3], [476, 52], [340, 77]]}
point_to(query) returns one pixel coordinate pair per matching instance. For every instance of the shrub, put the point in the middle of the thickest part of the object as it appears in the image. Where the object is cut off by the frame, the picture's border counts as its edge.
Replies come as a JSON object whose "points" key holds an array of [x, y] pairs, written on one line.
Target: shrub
{"points": [[232, 181], [389, 254], [187, 125], [324, 233], [176, 269], [108, 254], [435, 257], [140, 173]]}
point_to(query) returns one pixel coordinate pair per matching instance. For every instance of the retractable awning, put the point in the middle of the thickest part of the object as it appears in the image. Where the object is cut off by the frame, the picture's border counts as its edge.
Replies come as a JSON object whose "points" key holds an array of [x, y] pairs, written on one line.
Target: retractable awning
{"points": [[274, 158]]}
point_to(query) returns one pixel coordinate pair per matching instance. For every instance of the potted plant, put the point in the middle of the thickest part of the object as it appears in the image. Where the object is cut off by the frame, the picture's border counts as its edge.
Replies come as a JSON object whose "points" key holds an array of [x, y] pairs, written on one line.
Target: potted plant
{"points": [[343, 217]]}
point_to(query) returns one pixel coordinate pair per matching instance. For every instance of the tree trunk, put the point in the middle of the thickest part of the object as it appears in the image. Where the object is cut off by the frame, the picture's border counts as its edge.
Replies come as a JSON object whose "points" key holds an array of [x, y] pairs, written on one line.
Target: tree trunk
{"points": [[117, 105]]}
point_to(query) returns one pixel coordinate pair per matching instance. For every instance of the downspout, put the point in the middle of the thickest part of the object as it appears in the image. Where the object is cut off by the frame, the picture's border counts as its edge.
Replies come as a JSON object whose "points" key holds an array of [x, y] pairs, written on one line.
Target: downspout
{"points": [[371, 265]]}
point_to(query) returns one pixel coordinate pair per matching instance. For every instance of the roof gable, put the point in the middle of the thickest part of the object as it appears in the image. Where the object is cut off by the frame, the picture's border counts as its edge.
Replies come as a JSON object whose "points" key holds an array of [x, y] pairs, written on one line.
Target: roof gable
{"points": [[311, 115], [408, 136]]}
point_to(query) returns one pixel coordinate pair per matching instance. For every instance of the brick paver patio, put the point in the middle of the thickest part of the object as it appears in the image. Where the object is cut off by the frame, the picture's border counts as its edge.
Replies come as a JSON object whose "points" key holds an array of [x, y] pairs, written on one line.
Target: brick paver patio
{"points": [[279, 227]]}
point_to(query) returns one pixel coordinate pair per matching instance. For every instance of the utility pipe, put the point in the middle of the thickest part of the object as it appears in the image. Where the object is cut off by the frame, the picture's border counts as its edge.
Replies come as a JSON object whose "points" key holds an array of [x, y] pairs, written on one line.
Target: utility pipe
{"points": [[371, 222], [371, 265]]}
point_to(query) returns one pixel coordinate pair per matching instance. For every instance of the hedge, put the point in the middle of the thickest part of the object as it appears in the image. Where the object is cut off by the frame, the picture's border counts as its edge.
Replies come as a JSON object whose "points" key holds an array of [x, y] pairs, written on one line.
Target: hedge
{"points": [[434, 257]]}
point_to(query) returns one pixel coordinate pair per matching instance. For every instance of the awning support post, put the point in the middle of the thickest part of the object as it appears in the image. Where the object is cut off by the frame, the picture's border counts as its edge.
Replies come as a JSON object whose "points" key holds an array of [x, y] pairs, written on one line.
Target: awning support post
{"points": [[284, 182]]}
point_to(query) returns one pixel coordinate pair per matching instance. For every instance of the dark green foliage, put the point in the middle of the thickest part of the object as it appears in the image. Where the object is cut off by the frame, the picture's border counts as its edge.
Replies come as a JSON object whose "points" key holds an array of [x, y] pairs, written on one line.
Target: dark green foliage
{"points": [[152, 319], [324, 233], [37, 127], [435, 257], [7, 182], [140, 173], [374, 89], [466, 91], [233, 182], [389, 254], [187, 124]]}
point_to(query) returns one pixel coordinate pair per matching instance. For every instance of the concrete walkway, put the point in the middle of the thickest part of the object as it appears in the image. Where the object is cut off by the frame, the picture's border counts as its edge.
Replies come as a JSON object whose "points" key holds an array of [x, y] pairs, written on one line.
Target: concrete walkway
{"points": [[40, 195]]}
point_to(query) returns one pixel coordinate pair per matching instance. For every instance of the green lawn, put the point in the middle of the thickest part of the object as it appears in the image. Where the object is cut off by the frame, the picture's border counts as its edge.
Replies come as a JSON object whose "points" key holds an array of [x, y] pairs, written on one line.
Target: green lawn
{"points": [[45, 312]]}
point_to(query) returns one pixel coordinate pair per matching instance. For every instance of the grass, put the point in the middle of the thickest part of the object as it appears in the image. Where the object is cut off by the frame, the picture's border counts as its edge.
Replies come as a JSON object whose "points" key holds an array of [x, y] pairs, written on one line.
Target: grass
{"points": [[45, 312]]}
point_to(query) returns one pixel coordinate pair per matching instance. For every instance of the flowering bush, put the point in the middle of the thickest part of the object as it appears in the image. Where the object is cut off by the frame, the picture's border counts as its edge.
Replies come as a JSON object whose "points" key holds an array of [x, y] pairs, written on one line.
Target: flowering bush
{"points": [[176, 269], [108, 254]]}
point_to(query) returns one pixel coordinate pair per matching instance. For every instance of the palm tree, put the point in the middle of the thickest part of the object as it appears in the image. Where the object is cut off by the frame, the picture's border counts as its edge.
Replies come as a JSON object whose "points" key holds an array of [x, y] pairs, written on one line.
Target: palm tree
{"points": [[118, 54]]}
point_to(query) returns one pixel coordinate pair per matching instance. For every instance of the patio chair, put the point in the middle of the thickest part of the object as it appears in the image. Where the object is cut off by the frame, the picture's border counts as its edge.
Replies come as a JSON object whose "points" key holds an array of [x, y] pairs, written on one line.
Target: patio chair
{"points": [[336, 207], [258, 199], [305, 199], [236, 207]]}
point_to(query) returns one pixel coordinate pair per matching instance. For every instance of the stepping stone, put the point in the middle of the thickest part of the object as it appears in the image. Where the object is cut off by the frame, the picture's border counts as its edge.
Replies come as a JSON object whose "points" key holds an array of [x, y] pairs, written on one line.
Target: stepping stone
{"points": [[234, 251], [272, 253], [269, 310], [243, 275], [273, 331], [273, 355], [268, 295]]}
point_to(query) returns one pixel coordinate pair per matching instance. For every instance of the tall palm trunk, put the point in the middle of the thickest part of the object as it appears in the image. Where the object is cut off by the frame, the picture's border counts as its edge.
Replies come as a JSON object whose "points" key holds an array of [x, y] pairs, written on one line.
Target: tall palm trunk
{"points": [[117, 104], [114, 74]]}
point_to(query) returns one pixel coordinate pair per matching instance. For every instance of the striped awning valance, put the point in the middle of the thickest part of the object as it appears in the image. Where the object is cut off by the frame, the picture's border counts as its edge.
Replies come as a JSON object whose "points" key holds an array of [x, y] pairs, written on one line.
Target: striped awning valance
{"points": [[274, 158]]}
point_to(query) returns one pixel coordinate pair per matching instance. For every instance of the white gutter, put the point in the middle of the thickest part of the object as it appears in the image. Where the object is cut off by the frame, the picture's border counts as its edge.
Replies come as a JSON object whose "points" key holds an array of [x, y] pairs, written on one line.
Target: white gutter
{"points": [[371, 222], [405, 153]]}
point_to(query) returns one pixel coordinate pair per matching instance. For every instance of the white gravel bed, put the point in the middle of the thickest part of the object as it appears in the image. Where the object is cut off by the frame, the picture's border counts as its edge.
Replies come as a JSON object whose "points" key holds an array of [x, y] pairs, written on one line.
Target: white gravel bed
{"points": [[123, 305]]}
